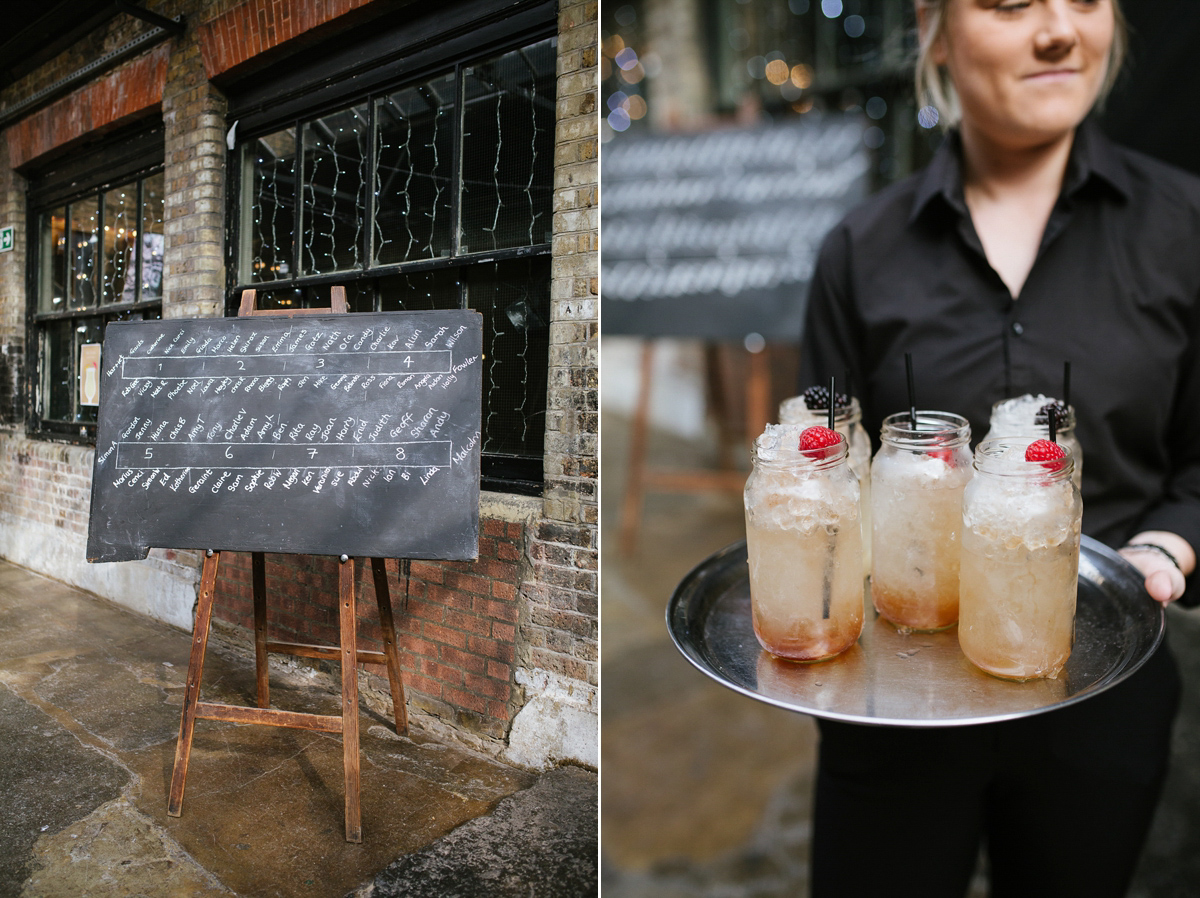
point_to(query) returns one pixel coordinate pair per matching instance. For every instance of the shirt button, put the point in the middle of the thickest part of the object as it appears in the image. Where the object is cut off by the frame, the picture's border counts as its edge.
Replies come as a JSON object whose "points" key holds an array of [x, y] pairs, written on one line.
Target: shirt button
{"points": [[1018, 328]]}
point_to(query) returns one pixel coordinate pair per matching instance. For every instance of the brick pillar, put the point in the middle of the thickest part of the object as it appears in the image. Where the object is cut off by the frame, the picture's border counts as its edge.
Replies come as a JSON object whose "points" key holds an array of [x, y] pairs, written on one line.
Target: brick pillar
{"points": [[194, 213], [680, 96], [12, 288], [559, 631]]}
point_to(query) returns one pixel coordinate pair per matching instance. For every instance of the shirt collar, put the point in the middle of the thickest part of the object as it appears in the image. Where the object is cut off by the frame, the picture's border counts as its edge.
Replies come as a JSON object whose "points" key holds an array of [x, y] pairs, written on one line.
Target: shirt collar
{"points": [[1092, 156]]}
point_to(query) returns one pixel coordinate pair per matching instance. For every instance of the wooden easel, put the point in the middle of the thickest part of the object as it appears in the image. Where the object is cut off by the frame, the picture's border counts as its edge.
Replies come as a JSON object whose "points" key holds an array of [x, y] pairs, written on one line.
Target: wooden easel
{"points": [[643, 479], [348, 653]]}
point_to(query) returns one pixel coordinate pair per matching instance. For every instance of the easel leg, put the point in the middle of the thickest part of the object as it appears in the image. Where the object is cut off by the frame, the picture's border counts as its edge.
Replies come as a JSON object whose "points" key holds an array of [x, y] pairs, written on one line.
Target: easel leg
{"points": [[718, 398], [349, 627], [388, 626], [191, 695], [631, 508], [758, 394], [259, 563]]}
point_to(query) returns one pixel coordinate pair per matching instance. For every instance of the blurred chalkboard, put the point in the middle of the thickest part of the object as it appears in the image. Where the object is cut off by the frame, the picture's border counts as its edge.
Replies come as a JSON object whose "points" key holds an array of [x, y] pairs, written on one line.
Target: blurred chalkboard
{"points": [[714, 235], [326, 434]]}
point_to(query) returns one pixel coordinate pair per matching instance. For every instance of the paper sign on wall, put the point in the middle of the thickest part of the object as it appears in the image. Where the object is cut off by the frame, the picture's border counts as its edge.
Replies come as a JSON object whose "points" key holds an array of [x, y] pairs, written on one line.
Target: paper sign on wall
{"points": [[89, 374]]}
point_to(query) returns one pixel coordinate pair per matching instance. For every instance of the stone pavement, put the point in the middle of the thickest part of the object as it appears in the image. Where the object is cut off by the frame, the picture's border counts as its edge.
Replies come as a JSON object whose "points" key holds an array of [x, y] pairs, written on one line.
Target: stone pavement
{"points": [[90, 698], [708, 794]]}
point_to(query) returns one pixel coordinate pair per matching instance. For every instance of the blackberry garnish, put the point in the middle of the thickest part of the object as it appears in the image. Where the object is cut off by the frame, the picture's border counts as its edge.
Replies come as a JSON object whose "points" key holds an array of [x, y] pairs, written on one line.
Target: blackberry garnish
{"points": [[1060, 410], [817, 397]]}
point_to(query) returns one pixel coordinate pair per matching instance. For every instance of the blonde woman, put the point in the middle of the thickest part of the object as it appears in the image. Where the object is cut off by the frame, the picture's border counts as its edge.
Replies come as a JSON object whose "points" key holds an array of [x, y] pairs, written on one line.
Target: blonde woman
{"points": [[1030, 239]]}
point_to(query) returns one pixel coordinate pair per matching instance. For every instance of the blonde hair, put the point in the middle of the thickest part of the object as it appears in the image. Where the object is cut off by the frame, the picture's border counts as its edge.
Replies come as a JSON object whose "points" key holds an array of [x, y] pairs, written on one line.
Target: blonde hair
{"points": [[935, 87]]}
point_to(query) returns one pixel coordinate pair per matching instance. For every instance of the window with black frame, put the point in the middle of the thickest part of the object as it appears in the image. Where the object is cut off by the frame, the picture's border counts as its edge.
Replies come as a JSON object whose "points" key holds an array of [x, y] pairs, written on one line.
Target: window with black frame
{"points": [[96, 255], [432, 193]]}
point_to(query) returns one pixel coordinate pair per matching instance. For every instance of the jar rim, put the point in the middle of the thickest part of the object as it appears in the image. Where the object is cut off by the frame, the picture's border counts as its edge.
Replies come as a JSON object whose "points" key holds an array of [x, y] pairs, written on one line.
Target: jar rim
{"points": [[989, 460], [783, 456], [795, 405], [1017, 424], [933, 428]]}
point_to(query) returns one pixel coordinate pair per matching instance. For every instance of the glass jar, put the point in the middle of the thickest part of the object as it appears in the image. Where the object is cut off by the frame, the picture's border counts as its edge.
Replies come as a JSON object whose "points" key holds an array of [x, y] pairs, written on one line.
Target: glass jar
{"points": [[847, 420], [917, 481], [804, 546], [1020, 562], [1015, 418]]}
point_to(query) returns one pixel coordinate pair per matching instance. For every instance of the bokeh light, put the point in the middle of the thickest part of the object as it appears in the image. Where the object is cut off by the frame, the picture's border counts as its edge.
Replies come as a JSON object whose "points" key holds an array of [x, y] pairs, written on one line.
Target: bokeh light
{"points": [[831, 8], [873, 137], [802, 76], [855, 26], [777, 71], [626, 59], [876, 108], [618, 119], [927, 117]]}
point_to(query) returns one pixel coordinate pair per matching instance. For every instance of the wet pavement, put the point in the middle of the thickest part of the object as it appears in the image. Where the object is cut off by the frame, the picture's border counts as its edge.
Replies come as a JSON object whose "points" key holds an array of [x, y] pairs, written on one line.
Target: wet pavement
{"points": [[90, 699], [707, 793]]}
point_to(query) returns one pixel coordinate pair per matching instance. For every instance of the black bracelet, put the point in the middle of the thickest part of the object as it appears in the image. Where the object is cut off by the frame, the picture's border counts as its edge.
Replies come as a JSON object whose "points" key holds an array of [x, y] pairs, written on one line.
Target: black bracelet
{"points": [[1155, 547]]}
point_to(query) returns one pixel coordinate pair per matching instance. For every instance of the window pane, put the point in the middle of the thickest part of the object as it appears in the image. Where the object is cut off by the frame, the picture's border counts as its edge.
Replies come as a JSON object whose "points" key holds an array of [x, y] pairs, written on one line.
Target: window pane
{"points": [[52, 283], [152, 239], [335, 190], [421, 291], [514, 298], [84, 245], [271, 187], [415, 155], [359, 298], [56, 370], [508, 149], [120, 243]]}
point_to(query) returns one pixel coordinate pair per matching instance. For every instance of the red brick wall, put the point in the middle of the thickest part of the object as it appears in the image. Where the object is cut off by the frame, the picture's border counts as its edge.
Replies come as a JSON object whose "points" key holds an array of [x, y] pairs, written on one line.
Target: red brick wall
{"points": [[456, 630], [257, 26], [131, 91]]}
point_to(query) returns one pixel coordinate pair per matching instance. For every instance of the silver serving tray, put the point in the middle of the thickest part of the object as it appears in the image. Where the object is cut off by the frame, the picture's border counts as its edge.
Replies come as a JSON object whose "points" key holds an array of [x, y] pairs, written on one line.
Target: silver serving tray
{"points": [[918, 680]]}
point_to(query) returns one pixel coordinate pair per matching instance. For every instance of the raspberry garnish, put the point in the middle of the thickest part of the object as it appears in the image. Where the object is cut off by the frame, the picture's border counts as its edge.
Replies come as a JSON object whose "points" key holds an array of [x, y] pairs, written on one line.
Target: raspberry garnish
{"points": [[817, 397], [1058, 408], [818, 438], [1045, 451]]}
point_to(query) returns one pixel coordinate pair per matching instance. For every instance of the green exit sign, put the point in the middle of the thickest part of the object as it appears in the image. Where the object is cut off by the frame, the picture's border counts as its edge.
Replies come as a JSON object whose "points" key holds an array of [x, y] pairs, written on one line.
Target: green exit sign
{"points": [[6, 239]]}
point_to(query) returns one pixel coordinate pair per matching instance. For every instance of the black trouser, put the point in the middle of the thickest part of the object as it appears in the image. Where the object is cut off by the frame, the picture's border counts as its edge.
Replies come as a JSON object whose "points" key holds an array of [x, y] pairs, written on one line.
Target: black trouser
{"points": [[1061, 801]]}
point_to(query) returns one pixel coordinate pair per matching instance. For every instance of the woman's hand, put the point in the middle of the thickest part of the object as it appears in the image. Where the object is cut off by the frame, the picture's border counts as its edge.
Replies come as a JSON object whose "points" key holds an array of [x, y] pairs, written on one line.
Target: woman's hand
{"points": [[1164, 578]]}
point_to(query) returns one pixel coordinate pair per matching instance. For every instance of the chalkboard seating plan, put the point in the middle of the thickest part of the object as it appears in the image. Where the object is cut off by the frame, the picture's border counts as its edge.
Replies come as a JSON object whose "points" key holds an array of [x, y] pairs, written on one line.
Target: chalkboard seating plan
{"points": [[301, 433], [354, 435], [714, 235]]}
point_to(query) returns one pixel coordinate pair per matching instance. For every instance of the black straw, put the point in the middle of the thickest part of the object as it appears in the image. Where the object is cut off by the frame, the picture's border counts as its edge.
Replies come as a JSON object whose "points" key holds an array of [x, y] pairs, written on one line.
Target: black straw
{"points": [[1067, 384], [912, 391], [832, 384], [1053, 417]]}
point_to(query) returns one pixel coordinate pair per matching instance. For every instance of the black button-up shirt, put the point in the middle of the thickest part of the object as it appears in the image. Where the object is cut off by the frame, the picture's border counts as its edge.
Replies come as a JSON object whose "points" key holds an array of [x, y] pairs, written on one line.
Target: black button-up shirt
{"points": [[1115, 289]]}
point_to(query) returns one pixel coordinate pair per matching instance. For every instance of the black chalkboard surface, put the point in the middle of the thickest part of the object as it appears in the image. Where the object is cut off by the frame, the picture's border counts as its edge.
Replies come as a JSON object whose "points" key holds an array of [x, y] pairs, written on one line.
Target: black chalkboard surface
{"points": [[324, 434], [714, 235]]}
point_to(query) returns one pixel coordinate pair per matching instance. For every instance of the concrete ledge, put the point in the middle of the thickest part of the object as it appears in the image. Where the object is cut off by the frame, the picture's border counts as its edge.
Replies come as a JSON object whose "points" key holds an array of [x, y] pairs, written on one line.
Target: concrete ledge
{"points": [[154, 587], [558, 724]]}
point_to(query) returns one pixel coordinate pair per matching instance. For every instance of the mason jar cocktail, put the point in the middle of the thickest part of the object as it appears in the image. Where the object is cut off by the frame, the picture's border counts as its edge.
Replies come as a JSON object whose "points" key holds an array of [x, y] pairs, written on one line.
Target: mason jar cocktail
{"points": [[1020, 562], [917, 482], [1028, 417], [804, 546], [847, 417]]}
